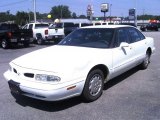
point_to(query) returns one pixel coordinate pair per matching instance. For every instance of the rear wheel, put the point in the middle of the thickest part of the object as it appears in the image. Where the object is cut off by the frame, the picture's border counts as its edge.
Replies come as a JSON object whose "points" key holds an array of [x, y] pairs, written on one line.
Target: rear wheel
{"points": [[93, 87], [146, 61], [26, 44], [4, 44], [39, 41]]}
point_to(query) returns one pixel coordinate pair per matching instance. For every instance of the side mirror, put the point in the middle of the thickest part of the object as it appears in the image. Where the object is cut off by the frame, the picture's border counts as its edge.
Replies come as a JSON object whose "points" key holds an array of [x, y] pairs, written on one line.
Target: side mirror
{"points": [[124, 44]]}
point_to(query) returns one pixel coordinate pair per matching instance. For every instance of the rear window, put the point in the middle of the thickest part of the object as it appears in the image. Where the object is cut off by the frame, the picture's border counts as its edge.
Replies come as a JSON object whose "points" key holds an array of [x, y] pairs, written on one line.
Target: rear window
{"points": [[41, 26], [8, 26], [68, 24]]}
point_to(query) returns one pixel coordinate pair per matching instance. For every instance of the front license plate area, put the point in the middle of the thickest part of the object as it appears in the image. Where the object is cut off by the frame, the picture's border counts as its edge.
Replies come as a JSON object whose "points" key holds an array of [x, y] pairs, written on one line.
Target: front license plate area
{"points": [[14, 87]]}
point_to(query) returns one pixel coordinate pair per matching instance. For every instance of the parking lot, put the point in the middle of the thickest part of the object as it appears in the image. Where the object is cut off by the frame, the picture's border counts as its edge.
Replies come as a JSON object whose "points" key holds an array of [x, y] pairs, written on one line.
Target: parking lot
{"points": [[132, 96]]}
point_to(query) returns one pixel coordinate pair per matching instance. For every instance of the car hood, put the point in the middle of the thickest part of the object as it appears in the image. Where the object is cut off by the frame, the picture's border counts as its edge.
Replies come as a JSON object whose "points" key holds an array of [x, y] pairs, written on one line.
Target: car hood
{"points": [[57, 58]]}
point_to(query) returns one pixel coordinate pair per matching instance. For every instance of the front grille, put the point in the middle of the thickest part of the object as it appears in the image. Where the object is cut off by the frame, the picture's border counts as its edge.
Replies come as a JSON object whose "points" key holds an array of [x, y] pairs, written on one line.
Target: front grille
{"points": [[15, 71]]}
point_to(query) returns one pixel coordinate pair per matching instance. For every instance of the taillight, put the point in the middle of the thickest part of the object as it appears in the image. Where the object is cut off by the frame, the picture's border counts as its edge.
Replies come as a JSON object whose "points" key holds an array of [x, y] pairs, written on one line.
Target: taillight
{"points": [[46, 32], [9, 34]]}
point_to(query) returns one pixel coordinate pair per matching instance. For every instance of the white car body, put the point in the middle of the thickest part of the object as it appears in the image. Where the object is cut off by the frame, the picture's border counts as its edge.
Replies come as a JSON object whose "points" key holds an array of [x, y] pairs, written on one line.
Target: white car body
{"points": [[73, 64]]}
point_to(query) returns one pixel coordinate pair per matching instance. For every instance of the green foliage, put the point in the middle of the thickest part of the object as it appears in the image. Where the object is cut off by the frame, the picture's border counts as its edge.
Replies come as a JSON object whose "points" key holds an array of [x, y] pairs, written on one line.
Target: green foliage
{"points": [[148, 17], [6, 16], [60, 11], [22, 18], [74, 15], [82, 16]]}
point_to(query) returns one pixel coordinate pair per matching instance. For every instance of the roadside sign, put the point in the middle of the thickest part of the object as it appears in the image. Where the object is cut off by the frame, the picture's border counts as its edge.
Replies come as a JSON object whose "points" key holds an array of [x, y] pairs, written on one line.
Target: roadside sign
{"points": [[132, 14], [104, 7]]}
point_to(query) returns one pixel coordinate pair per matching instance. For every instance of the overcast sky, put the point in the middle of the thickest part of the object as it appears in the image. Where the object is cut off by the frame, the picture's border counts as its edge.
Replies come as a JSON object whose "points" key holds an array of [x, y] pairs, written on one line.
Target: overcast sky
{"points": [[119, 7]]}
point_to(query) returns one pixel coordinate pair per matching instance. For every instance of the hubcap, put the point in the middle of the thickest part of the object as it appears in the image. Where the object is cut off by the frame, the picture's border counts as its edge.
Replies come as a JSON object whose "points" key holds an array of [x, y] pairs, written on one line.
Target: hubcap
{"points": [[3, 44], [146, 62], [95, 85]]}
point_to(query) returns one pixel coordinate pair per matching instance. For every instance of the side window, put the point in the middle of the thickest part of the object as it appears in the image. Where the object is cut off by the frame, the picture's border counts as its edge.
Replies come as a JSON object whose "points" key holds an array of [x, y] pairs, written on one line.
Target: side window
{"points": [[30, 26], [121, 36], [134, 35]]}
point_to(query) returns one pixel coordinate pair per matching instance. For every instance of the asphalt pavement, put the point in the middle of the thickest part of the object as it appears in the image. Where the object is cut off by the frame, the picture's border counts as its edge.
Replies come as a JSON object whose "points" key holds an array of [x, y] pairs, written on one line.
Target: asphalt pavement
{"points": [[132, 96]]}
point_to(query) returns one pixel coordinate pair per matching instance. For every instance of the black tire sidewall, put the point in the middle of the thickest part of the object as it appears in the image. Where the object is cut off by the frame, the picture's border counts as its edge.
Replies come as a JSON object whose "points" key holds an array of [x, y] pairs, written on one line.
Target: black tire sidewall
{"points": [[39, 41], [6, 46], [144, 65], [86, 94]]}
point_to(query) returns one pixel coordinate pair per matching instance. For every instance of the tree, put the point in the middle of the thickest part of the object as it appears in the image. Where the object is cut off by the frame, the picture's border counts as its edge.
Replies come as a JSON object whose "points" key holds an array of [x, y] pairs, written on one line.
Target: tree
{"points": [[74, 15], [60, 11], [82, 16], [22, 18], [6, 16]]}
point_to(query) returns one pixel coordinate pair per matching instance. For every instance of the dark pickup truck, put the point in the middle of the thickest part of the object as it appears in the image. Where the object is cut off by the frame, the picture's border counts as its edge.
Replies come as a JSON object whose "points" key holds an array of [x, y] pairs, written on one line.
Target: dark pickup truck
{"points": [[150, 26], [11, 34]]}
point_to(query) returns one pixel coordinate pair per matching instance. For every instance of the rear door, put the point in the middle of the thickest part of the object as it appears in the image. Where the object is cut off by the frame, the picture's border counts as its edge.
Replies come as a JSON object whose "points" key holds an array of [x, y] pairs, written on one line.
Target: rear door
{"points": [[139, 45], [123, 52]]}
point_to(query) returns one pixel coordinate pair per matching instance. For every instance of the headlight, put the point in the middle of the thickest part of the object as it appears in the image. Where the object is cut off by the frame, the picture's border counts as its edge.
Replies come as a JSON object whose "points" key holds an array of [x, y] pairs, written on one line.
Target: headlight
{"points": [[47, 78]]}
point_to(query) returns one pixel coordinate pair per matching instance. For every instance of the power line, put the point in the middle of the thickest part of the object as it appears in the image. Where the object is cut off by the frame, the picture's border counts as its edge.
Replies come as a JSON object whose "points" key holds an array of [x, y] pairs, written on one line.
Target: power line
{"points": [[10, 4]]}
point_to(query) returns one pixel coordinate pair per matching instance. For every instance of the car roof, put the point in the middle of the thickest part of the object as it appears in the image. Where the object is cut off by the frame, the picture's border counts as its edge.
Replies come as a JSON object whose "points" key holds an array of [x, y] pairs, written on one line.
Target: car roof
{"points": [[107, 26]]}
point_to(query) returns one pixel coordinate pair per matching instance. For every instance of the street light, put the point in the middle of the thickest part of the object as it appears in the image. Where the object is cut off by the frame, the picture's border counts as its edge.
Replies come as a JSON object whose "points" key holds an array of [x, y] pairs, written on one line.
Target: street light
{"points": [[110, 11]]}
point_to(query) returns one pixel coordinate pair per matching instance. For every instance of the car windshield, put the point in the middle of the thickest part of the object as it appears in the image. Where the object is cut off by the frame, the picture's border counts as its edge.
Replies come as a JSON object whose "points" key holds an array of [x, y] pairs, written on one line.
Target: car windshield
{"points": [[89, 37]]}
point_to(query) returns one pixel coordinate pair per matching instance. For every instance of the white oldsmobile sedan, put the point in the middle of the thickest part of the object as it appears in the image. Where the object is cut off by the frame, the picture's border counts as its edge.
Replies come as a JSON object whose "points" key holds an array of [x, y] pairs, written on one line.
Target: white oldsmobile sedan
{"points": [[80, 64]]}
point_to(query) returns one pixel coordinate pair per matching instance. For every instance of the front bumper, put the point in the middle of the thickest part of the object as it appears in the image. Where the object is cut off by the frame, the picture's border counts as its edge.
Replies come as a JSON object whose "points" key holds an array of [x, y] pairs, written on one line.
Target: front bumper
{"points": [[47, 92]]}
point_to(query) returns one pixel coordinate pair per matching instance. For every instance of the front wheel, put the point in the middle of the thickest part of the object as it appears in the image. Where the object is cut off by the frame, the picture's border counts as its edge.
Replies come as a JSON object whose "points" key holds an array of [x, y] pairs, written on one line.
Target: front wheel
{"points": [[93, 87]]}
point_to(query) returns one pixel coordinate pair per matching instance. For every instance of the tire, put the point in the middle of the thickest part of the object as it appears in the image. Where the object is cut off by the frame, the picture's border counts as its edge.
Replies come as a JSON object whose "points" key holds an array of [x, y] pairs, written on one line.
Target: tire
{"points": [[26, 44], [4, 44], [39, 41], [146, 61], [93, 87]]}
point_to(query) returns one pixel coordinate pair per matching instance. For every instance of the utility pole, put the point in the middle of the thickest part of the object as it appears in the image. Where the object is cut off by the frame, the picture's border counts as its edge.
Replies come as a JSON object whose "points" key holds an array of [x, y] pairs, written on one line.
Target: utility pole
{"points": [[135, 21], [34, 6], [29, 17], [110, 11], [143, 16]]}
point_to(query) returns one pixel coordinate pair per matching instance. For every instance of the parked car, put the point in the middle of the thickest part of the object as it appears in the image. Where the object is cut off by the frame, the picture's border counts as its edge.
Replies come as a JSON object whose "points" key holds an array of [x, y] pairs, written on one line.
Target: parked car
{"points": [[40, 31], [150, 26], [80, 64], [11, 34]]}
